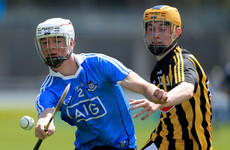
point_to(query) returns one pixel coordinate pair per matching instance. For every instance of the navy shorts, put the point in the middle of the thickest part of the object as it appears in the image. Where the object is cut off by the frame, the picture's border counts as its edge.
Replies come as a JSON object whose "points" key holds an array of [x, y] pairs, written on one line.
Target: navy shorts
{"points": [[109, 148]]}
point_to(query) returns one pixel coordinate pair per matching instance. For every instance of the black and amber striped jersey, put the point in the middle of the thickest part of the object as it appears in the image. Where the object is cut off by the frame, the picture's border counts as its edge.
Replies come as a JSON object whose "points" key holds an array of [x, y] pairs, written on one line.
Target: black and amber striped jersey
{"points": [[186, 125]]}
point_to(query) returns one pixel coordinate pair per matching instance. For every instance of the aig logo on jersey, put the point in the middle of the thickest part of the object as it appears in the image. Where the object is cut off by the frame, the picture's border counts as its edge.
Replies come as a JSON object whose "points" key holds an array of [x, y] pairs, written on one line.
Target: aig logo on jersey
{"points": [[91, 86], [86, 110]]}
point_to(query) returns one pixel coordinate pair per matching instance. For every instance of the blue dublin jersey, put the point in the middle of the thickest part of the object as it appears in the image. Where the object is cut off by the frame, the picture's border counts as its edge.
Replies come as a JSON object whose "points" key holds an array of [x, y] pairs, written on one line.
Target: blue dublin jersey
{"points": [[95, 102]]}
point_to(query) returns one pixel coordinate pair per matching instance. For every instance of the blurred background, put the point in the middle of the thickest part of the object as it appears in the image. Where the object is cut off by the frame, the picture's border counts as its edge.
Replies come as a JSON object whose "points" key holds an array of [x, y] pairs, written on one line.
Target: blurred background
{"points": [[112, 27]]}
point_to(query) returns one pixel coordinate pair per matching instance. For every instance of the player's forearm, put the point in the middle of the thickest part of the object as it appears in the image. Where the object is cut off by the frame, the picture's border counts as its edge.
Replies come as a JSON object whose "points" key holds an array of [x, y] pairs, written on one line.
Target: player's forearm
{"points": [[156, 95], [179, 94], [42, 122], [47, 113], [134, 82], [44, 118]]}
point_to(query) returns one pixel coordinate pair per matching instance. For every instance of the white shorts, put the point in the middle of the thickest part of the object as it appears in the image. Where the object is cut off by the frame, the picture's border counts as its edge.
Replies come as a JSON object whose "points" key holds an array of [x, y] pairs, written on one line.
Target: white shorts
{"points": [[151, 147]]}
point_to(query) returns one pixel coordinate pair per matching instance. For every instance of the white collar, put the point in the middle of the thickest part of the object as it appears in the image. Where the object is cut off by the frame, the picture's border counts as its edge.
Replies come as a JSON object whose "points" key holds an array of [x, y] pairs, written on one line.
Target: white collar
{"points": [[79, 59]]}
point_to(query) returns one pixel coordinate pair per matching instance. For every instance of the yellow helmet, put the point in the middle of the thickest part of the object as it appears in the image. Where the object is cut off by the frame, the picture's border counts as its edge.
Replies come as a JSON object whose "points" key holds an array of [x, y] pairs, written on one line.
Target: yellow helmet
{"points": [[162, 12]]}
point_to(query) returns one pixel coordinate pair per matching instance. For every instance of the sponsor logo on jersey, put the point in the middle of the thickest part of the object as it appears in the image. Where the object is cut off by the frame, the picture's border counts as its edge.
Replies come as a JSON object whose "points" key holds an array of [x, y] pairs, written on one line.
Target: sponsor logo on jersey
{"points": [[86, 110], [159, 72]]}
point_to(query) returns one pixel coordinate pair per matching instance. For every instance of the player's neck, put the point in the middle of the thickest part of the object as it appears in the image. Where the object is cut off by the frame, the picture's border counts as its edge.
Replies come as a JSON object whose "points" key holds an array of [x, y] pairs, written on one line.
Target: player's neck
{"points": [[69, 67], [164, 54]]}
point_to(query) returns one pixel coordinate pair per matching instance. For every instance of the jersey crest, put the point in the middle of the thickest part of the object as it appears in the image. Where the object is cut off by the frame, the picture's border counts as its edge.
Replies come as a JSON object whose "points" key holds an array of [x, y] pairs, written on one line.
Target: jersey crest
{"points": [[91, 86]]}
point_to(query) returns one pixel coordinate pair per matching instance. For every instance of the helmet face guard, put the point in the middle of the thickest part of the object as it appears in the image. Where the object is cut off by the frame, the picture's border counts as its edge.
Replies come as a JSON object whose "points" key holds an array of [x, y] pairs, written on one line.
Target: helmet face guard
{"points": [[159, 41], [57, 29], [156, 21]]}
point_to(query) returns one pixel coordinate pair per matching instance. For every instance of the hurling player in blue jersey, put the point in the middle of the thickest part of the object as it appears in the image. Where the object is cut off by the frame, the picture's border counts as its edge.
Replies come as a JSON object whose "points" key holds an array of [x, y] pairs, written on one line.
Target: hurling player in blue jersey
{"points": [[95, 102]]}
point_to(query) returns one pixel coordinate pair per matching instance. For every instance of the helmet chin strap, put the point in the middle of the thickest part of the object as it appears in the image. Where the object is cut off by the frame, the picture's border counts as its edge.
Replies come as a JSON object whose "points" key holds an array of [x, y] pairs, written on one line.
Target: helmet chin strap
{"points": [[158, 50], [56, 62]]}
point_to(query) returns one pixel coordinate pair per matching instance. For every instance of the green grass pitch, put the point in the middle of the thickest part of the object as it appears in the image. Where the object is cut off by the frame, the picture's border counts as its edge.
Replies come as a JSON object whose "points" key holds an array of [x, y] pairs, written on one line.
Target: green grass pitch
{"points": [[13, 137]]}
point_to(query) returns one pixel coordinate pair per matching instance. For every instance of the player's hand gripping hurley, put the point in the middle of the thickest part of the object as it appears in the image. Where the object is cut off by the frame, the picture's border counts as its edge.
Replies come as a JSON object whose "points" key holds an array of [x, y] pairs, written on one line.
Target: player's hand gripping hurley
{"points": [[36, 147]]}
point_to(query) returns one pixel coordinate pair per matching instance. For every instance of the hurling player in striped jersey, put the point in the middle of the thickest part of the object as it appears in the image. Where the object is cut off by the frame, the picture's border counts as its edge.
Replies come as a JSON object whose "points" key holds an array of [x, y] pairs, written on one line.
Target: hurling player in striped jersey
{"points": [[95, 103], [185, 120]]}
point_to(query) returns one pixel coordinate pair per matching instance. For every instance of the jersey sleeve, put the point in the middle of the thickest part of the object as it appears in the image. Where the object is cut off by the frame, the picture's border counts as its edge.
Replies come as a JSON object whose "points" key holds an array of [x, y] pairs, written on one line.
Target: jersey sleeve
{"points": [[190, 72], [112, 69], [45, 100], [47, 97]]}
